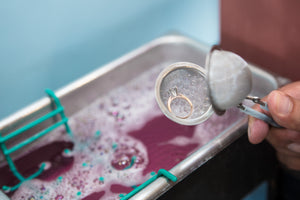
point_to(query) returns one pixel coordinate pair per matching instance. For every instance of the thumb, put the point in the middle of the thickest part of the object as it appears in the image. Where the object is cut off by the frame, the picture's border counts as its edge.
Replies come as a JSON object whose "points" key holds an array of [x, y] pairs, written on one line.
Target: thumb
{"points": [[284, 109]]}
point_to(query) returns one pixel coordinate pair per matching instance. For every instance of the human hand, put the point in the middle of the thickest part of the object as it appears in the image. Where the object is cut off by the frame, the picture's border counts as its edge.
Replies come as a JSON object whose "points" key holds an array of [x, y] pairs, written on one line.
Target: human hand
{"points": [[284, 107]]}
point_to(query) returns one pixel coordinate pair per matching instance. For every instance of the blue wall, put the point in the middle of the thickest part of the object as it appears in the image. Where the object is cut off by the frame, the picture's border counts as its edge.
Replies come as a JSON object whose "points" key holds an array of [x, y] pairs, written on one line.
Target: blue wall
{"points": [[48, 44]]}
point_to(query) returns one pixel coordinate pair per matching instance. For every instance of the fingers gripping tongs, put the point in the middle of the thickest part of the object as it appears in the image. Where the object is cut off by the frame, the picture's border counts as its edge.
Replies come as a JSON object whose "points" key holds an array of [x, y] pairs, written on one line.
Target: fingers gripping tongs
{"points": [[254, 113]]}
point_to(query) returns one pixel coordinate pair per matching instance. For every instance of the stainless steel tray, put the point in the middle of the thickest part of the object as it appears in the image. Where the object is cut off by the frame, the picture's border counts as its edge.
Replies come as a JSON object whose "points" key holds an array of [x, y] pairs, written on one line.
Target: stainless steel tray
{"points": [[84, 91]]}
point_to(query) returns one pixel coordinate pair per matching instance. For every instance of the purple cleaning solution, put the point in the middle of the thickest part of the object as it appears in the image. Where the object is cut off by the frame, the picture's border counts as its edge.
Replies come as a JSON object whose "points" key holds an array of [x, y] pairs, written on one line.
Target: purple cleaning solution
{"points": [[118, 141]]}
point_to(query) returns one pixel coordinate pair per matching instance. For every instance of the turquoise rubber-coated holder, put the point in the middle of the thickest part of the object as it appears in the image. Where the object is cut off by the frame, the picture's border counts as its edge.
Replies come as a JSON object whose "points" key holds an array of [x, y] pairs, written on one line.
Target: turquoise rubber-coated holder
{"points": [[161, 172], [58, 105], [64, 120]]}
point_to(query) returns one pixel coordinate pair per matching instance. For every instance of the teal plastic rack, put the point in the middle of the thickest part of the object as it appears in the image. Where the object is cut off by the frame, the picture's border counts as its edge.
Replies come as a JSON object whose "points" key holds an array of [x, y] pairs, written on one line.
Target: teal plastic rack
{"points": [[161, 172], [3, 139]]}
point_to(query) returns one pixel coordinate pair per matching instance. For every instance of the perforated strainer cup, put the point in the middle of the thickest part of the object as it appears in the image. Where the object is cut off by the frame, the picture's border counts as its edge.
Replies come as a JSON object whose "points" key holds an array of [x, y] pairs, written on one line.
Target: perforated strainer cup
{"points": [[188, 96], [182, 93]]}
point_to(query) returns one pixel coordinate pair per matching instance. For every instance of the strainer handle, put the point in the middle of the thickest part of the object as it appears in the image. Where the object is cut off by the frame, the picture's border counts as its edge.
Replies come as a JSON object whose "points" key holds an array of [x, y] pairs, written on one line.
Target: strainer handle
{"points": [[259, 115]]}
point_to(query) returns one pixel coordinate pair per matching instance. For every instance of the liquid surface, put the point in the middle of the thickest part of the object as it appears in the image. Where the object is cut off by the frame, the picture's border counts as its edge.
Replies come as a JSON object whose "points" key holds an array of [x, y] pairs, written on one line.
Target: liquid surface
{"points": [[118, 141]]}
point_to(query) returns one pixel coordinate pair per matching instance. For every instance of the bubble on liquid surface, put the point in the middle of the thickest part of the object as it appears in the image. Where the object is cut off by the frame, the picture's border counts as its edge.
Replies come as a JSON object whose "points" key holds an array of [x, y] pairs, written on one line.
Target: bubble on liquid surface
{"points": [[123, 157]]}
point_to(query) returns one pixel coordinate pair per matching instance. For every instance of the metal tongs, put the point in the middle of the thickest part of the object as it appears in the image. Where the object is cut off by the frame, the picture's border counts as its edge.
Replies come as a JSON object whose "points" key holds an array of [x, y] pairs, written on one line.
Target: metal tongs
{"points": [[263, 105], [229, 82]]}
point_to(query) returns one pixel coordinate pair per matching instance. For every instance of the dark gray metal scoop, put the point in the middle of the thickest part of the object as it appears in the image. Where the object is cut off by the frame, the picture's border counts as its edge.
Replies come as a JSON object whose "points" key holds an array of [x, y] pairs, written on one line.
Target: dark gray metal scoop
{"points": [[229, 81]]}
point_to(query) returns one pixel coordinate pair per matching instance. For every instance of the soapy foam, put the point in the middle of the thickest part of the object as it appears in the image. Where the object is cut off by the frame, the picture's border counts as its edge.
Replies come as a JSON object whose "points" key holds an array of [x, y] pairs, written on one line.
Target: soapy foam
{"points": [[107, 135], [124, 109]]}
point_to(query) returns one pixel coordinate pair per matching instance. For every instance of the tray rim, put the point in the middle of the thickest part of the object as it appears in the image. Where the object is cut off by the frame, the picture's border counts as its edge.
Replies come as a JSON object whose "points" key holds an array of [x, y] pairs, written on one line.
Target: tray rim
{"points": [[200, 156]]}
